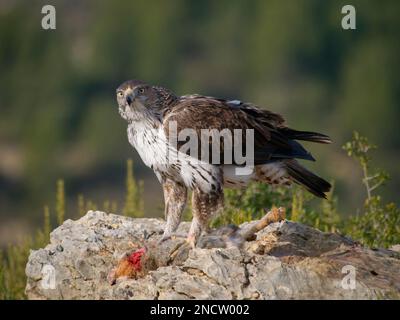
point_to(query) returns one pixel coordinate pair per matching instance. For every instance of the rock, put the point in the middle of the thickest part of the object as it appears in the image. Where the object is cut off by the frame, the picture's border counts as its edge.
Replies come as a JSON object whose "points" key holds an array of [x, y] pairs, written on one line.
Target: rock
{"points": [[287, 260], [396, 248]]}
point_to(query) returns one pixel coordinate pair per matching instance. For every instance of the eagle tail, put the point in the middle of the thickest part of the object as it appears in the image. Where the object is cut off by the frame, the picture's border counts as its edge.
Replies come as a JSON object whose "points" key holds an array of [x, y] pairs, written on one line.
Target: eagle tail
{"points": [[307, 136], [314, 184]]}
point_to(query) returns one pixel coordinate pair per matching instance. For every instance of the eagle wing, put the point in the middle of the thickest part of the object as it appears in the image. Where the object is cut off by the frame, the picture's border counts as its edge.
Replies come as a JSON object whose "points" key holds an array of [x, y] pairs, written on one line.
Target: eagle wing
{"points": [[273, 140]]}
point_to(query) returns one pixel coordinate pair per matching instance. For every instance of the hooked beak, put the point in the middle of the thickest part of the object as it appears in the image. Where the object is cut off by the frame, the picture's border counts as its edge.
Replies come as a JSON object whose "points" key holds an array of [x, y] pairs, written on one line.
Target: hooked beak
{"points": [[129, 99]]}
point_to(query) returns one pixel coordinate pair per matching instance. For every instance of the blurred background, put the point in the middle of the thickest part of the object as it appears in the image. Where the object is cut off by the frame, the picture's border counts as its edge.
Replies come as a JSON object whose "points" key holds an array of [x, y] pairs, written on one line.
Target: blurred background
{"points": [[59, 116]]}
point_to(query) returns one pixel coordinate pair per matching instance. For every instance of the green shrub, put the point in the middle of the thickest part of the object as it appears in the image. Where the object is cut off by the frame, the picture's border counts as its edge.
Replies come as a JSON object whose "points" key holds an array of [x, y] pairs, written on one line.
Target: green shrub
{"points": [[2, 278], [15, 257], [60, 201], [378, 226], [134, 205]]}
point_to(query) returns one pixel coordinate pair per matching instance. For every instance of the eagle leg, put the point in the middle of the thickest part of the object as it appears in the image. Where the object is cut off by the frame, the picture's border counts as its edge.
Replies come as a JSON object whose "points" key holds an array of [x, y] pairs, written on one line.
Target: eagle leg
{"points": [[175, 196], [204, 206]]}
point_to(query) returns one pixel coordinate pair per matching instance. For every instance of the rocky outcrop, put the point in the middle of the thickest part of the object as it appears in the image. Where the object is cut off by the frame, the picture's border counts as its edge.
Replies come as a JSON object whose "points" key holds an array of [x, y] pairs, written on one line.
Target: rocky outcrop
{"points": [[286, 260]]}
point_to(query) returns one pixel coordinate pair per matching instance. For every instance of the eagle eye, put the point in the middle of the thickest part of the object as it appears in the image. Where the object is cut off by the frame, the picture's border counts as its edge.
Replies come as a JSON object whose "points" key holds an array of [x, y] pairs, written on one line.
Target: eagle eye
{"points": [[120, 94], [141, 90]]}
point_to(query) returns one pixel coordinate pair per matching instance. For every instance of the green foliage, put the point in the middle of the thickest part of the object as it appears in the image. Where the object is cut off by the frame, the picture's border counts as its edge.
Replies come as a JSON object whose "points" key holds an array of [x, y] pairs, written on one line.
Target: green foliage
{"points": [[81, 205], [329, 219], [323, 216], [15, 257], [3, 291], [187, 213], [13, 265], [60, 202], [247, 204], [46, 222], [379, 226], [359, 148], [300, 209], [134, 205], [43, 235]]}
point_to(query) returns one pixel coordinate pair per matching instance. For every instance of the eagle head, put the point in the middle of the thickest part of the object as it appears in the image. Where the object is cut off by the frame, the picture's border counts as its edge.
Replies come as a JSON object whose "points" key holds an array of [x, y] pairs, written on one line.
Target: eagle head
{"points": [[138, 100]]}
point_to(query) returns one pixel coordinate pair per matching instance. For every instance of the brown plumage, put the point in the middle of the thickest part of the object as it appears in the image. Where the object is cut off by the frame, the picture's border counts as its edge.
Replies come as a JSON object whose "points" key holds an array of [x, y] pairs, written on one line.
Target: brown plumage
{"points": [[272, 138], [152, 111]]}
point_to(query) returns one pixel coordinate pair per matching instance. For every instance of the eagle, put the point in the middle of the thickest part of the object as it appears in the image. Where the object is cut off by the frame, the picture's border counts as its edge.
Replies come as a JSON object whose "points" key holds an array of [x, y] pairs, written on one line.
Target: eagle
{"points": [[151, 112]]}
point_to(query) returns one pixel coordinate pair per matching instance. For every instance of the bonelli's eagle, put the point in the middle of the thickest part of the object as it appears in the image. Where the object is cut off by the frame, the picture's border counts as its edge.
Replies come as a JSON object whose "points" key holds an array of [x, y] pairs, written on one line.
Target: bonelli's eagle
{"points": [[152, 112]]}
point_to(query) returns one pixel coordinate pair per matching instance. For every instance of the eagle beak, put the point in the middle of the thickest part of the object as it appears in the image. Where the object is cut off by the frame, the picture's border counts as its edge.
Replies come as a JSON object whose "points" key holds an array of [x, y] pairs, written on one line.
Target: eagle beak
{"points": [[129, 100]]}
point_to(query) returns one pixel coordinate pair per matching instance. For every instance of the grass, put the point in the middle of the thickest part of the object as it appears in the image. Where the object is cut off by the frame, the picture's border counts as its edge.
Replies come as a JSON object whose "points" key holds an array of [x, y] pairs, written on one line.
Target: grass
{"points": [[378, 226], [14, 258], [134, 205]]}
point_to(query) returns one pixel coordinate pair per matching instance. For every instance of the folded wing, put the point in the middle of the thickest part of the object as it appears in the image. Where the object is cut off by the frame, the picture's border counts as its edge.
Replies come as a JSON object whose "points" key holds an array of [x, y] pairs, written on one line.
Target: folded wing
{"points": [[273, 140]]}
